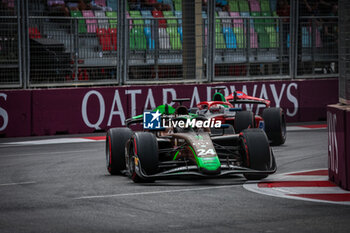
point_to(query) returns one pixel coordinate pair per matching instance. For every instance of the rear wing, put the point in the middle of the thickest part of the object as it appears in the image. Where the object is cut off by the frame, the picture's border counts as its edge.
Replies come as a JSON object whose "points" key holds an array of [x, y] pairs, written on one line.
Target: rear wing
{"points": [[239, 97]]}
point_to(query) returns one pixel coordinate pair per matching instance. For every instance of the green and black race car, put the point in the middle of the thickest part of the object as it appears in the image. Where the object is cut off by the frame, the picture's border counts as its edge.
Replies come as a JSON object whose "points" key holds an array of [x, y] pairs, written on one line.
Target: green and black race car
{"points": [[185, 144]]}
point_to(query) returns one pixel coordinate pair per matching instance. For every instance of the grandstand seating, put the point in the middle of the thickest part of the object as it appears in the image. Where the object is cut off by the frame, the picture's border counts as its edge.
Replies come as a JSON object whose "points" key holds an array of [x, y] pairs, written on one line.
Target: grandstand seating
{"points": [[147, 14], [113, 35], [90, 23], [253, 39], [159, 14], [232, 31], [265, 5], [237, 21], [137, 39], [147, 29], [164, 40], [178, 5], [243, 6], [172, 30], [254, 5], [226, 21], [107, 38], [113, 18], [179, 15], [240, 31], [102, 23], [137, 19], [230, 37], [104, 39], [233, 4], [219, 36], [81, 22], [34, 33], [247, 15], [307, 37]]}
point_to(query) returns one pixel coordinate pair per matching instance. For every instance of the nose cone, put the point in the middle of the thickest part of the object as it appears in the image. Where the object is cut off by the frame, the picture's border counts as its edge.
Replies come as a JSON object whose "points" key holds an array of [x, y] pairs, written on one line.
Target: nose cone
{"points": [[209, 165]]}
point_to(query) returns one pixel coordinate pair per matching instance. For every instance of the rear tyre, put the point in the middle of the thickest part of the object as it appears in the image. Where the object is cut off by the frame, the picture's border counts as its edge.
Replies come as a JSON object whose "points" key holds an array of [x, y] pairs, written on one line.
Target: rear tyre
{"points": [[275, 125], [256, 152], [144, 146], [115, 149], [244, 120]]}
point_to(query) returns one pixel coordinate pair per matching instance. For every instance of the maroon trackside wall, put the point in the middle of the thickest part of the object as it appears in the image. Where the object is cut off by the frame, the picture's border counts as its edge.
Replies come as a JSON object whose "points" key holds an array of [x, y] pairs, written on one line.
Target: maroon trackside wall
{"points": [[338, 119], [85, 110]]}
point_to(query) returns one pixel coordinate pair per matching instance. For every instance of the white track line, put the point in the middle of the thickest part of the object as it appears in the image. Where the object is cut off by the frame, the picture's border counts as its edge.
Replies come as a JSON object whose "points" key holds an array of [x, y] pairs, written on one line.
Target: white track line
{"points": [[154, 192], [19, 183], [305, 190], [51, 141], [49, 153], [300, 128]]}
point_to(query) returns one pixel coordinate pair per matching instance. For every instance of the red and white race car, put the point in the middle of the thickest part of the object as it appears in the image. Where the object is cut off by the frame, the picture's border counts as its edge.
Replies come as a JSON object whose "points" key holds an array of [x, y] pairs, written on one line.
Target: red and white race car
{"points": [[223, 108]]}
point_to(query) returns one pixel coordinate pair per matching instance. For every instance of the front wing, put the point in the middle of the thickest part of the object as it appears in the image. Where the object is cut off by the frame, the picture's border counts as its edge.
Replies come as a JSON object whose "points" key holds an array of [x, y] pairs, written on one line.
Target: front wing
{"points": [[193, 170]]}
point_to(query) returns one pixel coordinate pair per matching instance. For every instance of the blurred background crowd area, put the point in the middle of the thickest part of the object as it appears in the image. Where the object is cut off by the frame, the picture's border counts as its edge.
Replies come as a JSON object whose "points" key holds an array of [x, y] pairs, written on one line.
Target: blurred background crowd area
{"points": [[68, 41]]}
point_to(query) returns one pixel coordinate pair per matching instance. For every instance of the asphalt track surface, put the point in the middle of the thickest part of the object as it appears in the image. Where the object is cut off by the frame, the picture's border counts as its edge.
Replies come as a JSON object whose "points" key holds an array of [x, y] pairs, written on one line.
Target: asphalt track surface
{"points": [[65, 187]]}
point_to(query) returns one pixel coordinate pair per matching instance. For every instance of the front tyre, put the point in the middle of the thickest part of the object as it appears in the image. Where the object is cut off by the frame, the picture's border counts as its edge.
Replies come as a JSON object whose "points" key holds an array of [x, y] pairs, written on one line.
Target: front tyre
{"points": [[275, 125], [143, 151], [115, 149], [256, 152]]}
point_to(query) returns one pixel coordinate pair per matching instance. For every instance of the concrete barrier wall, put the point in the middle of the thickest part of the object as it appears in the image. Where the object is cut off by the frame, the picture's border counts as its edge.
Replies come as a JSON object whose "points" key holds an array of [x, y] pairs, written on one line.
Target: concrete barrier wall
{"points": [[338, 119], [85, 110]]}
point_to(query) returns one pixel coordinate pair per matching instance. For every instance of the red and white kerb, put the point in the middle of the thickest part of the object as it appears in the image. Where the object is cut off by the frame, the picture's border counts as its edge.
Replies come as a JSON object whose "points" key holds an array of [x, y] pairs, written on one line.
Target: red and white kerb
{"points": [[310, 185]]}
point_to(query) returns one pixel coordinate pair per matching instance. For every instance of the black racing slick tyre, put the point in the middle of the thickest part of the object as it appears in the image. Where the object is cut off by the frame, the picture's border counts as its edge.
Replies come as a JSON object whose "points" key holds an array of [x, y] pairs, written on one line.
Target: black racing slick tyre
{"points": [[244, 120], [275, 125], [115, 149], [144, 146], [256, 152]]}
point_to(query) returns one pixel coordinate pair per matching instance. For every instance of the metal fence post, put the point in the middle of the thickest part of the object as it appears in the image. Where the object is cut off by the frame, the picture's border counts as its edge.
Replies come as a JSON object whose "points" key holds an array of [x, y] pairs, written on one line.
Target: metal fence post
{"points": [[24, 42], [294, 41], [21, 75], [247, 45], [125, 42], [211, 41], [280, 41], [76, 49], [120, 41], [156, 47]]}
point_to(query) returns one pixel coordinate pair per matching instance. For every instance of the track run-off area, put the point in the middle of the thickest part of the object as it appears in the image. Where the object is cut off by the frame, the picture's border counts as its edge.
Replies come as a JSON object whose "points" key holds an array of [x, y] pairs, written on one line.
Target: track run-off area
{"points": [[60, 184]]}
